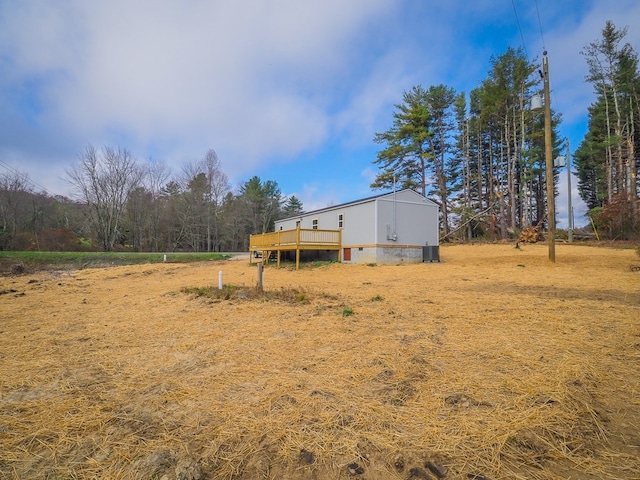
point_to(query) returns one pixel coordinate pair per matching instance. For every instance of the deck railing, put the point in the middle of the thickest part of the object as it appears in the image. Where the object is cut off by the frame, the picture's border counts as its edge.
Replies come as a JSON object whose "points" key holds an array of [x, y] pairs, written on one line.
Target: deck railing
{"points": [[295, 239]]}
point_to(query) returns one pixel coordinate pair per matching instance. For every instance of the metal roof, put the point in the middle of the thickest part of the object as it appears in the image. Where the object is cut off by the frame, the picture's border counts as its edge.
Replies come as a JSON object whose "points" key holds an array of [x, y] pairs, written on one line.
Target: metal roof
{"points": [[353, 202]]}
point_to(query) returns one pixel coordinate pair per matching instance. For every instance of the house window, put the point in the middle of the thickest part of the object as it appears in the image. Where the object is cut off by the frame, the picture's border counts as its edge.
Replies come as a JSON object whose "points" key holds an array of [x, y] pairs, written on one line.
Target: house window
{"points": [[314, 224], [340, 220]]}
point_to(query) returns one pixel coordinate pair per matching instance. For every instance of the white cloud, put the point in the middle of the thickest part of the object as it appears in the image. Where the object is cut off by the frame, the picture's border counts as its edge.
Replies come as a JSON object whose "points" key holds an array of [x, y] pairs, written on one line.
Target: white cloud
{"points": [[263, 83], [369, 174], [568, 67], [367, 110], [314, 197], [247, 78]]}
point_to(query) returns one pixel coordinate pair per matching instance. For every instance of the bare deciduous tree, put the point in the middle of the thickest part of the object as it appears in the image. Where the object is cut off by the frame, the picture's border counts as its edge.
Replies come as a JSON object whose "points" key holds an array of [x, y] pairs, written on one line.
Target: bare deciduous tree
{"points": [[218, 184], [102, 180], [155, 178], [14, 207]]}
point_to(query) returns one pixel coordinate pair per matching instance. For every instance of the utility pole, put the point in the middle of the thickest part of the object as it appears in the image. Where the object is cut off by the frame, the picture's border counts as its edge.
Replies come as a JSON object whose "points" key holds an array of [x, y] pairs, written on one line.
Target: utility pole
{"points": [[548, 148]]}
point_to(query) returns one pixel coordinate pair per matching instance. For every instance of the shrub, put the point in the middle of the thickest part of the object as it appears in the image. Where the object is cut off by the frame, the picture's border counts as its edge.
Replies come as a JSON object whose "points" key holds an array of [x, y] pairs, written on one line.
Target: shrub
{"points": [[347, 312]]}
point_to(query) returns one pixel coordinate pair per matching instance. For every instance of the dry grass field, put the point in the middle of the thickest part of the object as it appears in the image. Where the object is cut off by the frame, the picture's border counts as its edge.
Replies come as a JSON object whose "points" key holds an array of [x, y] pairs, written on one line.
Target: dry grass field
{"points": [[494, 364]]}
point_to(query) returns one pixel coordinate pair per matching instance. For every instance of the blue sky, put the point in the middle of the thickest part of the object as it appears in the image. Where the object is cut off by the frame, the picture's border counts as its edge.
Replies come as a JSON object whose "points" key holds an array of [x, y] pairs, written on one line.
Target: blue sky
{"points": [[288, 90]]}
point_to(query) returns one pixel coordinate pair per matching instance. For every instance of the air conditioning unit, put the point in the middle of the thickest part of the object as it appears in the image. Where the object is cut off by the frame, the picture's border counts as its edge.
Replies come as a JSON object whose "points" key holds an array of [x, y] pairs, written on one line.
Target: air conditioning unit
{"points": [[431, 253]]}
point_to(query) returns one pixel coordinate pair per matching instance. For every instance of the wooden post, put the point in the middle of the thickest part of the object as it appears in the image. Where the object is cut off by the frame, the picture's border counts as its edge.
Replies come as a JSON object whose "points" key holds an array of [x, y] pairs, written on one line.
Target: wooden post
{"points": [[297, 248], [260, 285], [548, 148]]}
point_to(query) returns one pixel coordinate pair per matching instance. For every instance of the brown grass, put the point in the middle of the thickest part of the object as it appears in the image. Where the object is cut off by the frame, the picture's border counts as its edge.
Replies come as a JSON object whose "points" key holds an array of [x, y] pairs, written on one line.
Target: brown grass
{"points": [[493, 364]]}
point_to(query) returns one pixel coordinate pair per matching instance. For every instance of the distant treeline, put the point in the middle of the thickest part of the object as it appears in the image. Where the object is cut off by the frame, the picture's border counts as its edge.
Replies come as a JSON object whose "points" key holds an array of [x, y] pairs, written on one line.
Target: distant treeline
{"points": [[121, 205]]}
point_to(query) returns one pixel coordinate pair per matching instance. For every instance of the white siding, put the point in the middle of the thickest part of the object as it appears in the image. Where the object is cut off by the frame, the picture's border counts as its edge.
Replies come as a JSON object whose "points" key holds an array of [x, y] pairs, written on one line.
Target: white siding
{"points": [[365, 226], [359, 225], [416, 219]]}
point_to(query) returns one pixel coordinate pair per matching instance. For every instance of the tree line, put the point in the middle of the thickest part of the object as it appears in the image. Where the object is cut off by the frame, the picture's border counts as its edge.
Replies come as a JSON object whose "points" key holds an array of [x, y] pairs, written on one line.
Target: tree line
{"points": [[607, 159], [120, 204], [480, 156]]}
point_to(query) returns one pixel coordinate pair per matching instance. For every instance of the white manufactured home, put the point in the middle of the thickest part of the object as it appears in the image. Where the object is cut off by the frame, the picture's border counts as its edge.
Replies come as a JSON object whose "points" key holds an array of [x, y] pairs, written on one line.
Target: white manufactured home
{"points": [[389, 228]]}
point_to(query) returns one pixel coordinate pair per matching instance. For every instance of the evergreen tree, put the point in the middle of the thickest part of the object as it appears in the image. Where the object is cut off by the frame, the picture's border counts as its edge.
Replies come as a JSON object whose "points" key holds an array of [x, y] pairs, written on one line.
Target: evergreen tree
{"points": [[292, 207], [445, 166], [418, 145], [404, 160], [263, 203], [606, 160]]}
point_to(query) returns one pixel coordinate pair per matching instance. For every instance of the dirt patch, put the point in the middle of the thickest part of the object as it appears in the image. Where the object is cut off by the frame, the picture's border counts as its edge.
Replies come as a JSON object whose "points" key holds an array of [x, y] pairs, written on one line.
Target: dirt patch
{"points": [[492, 364]]}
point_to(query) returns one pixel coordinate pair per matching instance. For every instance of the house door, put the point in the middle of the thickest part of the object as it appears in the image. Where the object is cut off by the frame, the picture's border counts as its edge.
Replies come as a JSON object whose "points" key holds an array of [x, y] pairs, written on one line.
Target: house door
{"points": [[346, 256]]}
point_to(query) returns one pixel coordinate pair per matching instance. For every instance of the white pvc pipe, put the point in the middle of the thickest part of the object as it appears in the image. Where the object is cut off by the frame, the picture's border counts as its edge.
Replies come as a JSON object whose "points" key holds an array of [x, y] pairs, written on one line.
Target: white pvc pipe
{"points": [[165, 258], [220, 280]]}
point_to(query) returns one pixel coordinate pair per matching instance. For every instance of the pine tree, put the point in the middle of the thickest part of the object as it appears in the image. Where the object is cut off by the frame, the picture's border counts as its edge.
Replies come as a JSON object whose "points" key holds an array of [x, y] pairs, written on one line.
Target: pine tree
{"points": [[404, 158], [606, 159], [292, 207], [419, 145]]}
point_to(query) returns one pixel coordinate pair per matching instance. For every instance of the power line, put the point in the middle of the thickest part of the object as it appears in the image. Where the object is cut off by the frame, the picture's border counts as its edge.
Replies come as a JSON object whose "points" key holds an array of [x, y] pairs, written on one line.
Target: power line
{"points": [[544, 47], [8, 167], [515, 11], [540, 25]]}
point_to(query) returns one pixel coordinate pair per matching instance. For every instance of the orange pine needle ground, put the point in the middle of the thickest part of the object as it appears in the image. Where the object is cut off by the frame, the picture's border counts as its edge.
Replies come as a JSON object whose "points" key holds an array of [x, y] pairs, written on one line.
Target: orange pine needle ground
{"points": [[494, 363]]}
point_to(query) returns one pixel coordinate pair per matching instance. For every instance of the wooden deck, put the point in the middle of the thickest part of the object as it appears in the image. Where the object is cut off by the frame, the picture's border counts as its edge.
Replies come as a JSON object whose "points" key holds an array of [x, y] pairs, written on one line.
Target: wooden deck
{"points": [[297, 239]]}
